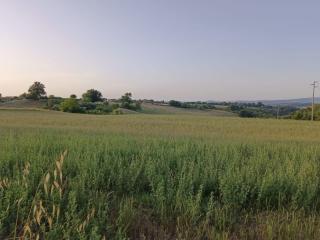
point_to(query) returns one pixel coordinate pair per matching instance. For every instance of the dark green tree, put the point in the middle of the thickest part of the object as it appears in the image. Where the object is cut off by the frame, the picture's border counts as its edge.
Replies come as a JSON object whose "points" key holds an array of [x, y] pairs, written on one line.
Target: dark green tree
{"points": [[175, 103], [128, 103], [126, 100], [36, 91], [246, 114], [92, 95]]}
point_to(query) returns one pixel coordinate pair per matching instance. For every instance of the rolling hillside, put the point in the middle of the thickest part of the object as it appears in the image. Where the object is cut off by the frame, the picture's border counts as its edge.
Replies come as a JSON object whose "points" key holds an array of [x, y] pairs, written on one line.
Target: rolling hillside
{"points": [[147, 108], [164, 109], [24, 103]]}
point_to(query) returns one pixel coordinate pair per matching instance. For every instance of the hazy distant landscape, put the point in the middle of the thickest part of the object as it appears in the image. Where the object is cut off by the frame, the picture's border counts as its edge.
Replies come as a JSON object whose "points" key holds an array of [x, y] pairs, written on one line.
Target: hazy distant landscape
{"points": [[299, 102], [93, 102]]}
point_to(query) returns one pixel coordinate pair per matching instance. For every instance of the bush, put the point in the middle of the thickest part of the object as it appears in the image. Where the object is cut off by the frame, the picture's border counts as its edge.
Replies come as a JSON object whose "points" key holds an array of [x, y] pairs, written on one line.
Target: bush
{"points": [[87, 106], [128, 103], [117, 111], [115, 106], [103, 108], [175, 103], [246, 114], [53, 102], [70, 105]]}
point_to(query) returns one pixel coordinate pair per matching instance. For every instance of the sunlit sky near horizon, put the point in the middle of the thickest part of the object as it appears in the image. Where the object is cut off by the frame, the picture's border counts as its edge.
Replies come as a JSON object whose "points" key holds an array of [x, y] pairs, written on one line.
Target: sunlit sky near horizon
{"points": [[161, 49]]}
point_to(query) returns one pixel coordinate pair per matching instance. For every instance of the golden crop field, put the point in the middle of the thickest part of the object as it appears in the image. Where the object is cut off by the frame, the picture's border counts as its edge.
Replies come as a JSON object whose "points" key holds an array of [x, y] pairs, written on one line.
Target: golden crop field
{"points": [[76, 176]]}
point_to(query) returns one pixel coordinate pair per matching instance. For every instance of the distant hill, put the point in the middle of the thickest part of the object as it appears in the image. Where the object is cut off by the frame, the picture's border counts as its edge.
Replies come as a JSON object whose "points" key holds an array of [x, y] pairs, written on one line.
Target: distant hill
{"points": [[298, 102]]}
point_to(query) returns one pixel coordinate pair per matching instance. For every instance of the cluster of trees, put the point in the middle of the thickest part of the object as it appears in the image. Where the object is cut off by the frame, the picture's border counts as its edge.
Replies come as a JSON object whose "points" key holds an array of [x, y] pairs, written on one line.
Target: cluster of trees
{"points": [[192, 105], [305, 113], [92, 101], [259, 110], [251, 110], [246, 110], [36, 91], [127, 102]]}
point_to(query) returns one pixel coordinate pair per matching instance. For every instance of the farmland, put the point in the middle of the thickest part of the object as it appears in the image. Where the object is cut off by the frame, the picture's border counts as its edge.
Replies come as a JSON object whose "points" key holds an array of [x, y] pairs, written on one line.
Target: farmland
{"points": [[140, 176], [158, 109]]}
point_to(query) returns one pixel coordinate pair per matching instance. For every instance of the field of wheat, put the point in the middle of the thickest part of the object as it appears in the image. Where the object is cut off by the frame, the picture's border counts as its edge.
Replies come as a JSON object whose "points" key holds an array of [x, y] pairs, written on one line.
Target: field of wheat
{"points": [[73, 176]]}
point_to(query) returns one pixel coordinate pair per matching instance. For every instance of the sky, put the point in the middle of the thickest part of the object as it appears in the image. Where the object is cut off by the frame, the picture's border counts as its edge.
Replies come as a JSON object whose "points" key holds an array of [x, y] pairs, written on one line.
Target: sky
{"points": [[161, 49]]}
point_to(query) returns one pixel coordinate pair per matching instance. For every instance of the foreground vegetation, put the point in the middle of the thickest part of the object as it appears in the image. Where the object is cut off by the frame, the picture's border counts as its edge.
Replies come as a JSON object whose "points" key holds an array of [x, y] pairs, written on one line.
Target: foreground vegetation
{"points": [[75, 176]]}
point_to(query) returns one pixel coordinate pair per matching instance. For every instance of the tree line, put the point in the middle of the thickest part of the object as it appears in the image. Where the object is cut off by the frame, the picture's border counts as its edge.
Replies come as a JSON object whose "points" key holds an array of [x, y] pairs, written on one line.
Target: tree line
{"points": [[92, 101], [242, 109]]}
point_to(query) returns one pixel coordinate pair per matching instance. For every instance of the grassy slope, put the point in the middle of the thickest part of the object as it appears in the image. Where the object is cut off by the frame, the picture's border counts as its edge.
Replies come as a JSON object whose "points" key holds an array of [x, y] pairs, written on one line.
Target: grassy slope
{"points": [[162, 176], [168, 125], [25, 103], [158, 109], [146, 108]]}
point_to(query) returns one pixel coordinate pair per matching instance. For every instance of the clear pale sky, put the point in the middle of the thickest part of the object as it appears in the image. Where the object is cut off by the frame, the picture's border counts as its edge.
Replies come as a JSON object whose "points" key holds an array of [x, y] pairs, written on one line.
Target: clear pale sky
{"points": [[161, 49]]}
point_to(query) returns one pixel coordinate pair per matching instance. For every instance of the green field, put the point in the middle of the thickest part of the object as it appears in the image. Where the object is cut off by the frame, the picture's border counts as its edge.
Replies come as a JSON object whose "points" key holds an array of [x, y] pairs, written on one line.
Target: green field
{"points": [[145, 176]]}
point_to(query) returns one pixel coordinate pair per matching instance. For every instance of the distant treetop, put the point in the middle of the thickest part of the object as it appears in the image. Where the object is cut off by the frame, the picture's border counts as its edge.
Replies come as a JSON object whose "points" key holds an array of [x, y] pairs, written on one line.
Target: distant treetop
{"points": [[92, 95], [36, 91]]}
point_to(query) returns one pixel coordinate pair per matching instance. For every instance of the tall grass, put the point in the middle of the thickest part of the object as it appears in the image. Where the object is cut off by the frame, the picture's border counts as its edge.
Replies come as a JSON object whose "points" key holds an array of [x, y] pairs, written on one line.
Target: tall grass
{"points": [[164, 177]]}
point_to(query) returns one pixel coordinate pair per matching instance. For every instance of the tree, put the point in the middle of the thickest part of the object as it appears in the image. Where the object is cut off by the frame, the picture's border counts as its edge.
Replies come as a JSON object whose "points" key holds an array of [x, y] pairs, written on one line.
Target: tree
{"points": [[70, 105], [126, 100], [73, 96], [246, 114], [305, 113], [23, 96], [235, 108], [128, 103], [36, 91], [92, 95], [175, 103]]}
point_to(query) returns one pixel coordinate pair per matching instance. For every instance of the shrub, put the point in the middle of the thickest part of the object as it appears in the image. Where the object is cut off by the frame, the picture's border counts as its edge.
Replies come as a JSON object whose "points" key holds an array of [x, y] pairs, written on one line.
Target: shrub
{"points": [[175, 103], [117, 112], [128, 103], [70, 105], [103, 108], [246, 114], [54, 102]]}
